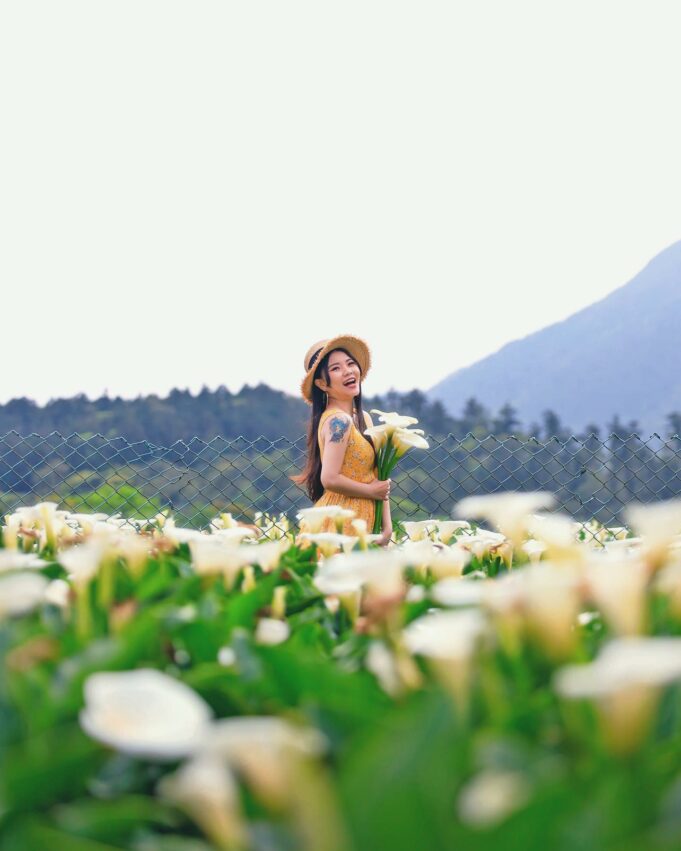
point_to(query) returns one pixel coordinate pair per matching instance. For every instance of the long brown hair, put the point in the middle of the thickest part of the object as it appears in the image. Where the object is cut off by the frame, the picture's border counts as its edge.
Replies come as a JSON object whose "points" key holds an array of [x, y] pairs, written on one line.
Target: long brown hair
{"points": [[311, 477]]}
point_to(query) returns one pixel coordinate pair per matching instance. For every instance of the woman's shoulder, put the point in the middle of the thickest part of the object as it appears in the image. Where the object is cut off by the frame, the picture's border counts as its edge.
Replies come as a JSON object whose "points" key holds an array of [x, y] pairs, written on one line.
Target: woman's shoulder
{"points": [[338, 421]]}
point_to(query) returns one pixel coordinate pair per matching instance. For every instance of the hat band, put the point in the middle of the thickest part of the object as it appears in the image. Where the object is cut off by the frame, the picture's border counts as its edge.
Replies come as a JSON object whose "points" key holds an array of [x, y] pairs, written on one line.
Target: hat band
{"points": [[314, 358]]}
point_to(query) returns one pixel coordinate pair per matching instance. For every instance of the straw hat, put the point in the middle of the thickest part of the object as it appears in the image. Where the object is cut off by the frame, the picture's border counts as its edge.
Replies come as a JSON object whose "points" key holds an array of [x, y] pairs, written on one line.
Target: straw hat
{"points": [[357, 348]]}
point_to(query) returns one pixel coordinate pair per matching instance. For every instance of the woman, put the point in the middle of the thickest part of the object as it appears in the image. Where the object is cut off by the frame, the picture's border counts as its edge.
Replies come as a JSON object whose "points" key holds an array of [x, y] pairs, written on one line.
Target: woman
{"points": [[341, 462]]}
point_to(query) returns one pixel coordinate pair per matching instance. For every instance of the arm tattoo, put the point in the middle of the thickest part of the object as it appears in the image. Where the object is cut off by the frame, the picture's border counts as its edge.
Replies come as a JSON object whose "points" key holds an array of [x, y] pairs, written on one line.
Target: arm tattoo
{"points": [[338, 426]]}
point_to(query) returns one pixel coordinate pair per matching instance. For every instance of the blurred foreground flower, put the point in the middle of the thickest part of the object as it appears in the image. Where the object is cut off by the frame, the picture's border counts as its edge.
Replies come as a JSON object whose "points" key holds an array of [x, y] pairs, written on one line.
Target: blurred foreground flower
{"points": [[206, 790], [280, 762], [658, 524], [625, 681], [491, 796], [144, 713], [448, 641], [20, 593]]}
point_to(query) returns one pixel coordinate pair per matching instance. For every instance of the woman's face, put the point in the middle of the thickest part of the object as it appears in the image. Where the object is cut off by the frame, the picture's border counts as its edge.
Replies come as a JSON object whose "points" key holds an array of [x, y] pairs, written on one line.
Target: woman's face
{"points": [[344, 376]]}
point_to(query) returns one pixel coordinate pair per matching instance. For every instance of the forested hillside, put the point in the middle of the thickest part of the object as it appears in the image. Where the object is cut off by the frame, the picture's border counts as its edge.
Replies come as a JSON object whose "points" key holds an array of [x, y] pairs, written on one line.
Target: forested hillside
{"points": [[263, 411]]}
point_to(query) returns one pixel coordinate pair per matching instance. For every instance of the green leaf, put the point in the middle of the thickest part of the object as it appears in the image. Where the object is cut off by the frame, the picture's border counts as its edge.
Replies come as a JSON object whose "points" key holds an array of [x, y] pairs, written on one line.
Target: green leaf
{"points": [[113, 820], [400, 779], [48, 767], [31, 833]]}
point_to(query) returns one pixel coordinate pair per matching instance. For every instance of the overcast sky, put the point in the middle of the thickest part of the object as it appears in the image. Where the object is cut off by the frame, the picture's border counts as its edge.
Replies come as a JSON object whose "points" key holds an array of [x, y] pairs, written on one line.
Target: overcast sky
{"points": [[193, 193]]}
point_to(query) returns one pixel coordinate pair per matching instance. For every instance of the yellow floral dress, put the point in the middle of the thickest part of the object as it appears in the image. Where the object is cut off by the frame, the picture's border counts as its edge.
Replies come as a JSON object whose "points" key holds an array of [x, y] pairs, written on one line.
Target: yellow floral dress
{"points": [[359, 463]]}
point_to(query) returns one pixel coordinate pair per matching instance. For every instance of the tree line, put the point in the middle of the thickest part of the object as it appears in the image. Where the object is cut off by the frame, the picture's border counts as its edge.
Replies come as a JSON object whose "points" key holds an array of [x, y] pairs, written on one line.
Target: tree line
{"points": [[258, 411]]}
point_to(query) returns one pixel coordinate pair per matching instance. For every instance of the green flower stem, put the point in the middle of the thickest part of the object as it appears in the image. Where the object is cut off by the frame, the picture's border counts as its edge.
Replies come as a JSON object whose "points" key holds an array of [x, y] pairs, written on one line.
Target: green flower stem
{"points": [[83, 611], [386, 460], [378, 517], [105, 585]]}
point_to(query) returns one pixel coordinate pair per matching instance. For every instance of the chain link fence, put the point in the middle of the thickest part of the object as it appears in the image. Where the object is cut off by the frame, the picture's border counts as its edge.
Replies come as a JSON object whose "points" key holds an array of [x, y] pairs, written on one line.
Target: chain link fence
{"points": [[197, 479]]}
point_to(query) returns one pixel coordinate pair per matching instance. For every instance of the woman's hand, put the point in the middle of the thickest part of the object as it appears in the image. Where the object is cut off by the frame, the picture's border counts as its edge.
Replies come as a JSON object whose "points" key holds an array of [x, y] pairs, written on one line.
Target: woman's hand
{"points": [[379, 489], [386, 535]]}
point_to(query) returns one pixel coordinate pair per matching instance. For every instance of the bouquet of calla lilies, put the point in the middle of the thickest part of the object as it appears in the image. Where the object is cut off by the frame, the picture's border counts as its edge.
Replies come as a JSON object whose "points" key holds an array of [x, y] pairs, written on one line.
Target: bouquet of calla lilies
{"points": [[391, 440]]}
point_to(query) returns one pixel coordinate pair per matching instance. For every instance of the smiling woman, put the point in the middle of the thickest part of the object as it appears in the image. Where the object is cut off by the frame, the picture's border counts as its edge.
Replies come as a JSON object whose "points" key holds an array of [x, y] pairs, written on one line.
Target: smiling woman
{"points": [[341, 461]]}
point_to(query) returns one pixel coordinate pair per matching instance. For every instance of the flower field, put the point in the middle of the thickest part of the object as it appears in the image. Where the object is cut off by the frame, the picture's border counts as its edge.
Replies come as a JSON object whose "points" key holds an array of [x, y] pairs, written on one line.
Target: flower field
{"points": [[507, 679]]}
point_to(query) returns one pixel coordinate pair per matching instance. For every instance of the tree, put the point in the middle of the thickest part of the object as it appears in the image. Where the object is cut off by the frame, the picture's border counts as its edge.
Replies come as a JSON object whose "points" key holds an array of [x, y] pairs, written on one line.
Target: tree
{"points": [[553, 427], [474, 416], [674, 424], [506, 421]]}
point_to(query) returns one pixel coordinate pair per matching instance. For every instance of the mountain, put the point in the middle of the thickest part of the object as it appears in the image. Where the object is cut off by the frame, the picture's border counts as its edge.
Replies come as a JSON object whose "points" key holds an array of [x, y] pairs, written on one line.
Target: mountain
{"points": [[621, 355]]}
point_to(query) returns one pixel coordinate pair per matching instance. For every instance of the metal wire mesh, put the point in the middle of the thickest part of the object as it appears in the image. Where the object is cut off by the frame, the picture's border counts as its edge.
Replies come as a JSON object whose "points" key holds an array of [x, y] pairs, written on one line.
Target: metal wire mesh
{"points": [[197, 479]]}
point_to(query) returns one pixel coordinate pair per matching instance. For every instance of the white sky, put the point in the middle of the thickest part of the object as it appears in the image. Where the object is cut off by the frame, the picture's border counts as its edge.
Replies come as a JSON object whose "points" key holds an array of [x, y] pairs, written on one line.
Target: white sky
{"points": [[193, 193]]}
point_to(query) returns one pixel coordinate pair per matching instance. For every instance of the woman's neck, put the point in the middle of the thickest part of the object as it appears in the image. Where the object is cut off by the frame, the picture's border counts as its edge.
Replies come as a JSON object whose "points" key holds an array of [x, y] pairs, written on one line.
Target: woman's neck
{"points": [[345, 405]]}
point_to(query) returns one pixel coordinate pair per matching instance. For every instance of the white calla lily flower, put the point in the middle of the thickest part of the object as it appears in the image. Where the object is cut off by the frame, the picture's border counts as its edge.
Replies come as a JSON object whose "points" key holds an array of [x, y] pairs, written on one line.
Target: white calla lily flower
{"points": [[404, 439], [446, 529], [145, 713], [12, 560], [206, 790], [312, 519], [330, 542], [658, 524], [509, 511], [20, 593], [452, 592], [491, 796], [271, 631], [625, 681], [394, 420], [58, 593], [83, 561]]}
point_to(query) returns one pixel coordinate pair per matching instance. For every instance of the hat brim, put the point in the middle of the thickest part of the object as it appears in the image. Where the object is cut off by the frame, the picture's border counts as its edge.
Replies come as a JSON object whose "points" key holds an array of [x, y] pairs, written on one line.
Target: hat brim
{"points": [[357, 348]]}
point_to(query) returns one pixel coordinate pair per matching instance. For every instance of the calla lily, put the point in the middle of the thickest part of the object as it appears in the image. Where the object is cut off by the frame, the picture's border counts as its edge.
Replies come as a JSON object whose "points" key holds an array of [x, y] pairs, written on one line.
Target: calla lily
{"points": [[454, 592], [448, 640], [625, 681], [144, 713], [58, 593], [449, 561], [271, 631], [551, 603], [12, 560], [534, 550], [330, 542], [403, 440], [87, 522], [20, 593], [446, 529], [418, 530], [509, 512], [312, 520], [379, 435], [206, 790], [491, 796], [658, 524], [233, 534], [391, 441], [393, 419], [266, 751], [267, 555], [617, 586], [210, 556], [82, 561], [557, 534], [668, 581]]}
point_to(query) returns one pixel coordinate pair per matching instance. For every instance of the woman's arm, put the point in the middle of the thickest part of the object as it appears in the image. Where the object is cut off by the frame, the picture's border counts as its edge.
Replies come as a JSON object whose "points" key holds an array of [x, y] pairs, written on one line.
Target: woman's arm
{"points": [[387, 530], [336, 437]]}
